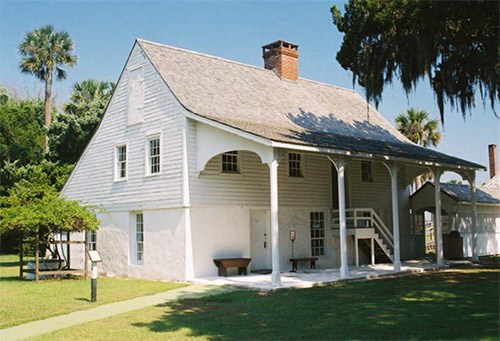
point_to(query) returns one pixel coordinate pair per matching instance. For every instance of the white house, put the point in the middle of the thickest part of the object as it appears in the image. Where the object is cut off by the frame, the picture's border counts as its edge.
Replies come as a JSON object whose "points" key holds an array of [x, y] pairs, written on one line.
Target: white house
{"points": [[198, 158]]}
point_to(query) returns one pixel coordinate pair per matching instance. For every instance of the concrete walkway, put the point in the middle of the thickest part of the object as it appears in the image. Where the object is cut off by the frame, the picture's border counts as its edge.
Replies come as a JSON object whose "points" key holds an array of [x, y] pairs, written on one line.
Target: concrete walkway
{"points": [[36, 328], [307, 278]]}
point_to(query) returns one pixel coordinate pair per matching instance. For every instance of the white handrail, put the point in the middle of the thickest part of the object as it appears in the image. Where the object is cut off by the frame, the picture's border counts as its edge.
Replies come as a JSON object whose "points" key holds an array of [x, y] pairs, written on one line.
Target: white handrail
{"points": [[373, 219]]}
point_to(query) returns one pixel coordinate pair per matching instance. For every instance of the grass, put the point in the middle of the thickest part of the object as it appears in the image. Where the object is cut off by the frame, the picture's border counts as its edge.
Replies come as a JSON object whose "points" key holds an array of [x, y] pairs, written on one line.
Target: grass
{"points": [[456, 304], [23, 301]]}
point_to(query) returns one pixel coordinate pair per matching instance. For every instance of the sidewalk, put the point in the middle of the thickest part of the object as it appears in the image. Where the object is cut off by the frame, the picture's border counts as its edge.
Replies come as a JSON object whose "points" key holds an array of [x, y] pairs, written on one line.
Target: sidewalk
{"points": [[36, 328]]}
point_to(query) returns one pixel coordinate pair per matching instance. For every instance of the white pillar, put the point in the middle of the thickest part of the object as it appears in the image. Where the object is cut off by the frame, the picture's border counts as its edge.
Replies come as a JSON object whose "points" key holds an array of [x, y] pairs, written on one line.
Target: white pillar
{"points": [[356, 249], [372, 245], [344, 267], [186, 203], [275, 252], [473, 208], [395, 217], [438, 231]]}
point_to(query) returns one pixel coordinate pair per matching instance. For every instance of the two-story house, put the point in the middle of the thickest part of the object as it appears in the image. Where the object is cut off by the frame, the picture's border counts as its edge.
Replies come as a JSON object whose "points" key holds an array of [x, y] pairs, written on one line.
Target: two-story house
{"points": [[198, 158]]}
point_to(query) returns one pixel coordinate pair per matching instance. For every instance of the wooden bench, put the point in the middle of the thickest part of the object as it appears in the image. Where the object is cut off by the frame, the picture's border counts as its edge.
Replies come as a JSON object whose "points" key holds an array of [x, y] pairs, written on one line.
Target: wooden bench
{"points": [[224, 263], [311, 260]]}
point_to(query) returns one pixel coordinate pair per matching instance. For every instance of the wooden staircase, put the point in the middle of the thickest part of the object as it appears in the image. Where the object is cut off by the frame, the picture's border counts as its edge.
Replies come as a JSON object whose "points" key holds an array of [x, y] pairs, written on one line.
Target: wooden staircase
{"points": [[380, 255], [365, 224]]}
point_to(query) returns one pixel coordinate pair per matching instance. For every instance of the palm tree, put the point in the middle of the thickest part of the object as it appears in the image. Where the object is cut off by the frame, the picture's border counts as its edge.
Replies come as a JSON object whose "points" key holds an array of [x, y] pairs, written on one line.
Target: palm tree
{"points": [[89, 93], [416, 126], [72, 129], [44, 52]]}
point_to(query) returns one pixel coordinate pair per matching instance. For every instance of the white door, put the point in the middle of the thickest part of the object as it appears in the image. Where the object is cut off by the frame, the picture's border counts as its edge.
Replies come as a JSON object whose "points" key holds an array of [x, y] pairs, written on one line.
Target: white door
{"points": [[260, 240]]}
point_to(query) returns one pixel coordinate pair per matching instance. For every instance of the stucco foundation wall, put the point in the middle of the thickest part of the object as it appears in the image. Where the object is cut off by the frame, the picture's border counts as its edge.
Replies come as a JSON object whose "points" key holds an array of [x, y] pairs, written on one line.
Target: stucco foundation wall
{"points": [[487, 244], [488, 229], [164, 250], [225, 232], [218, 232]]}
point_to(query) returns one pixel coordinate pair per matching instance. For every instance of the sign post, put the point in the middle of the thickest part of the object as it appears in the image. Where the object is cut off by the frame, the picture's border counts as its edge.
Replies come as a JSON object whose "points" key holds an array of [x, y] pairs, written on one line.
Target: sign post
{"points": [[293, 236], [95, 258]]}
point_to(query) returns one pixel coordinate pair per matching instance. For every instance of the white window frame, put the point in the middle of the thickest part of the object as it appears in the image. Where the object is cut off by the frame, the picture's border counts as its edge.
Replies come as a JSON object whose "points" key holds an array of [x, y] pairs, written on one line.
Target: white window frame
{"points": [[148, 154], [117, 168], [137, 117], [138, 252], [92, 240], [238, 162], [317, 233], [301, 166]]}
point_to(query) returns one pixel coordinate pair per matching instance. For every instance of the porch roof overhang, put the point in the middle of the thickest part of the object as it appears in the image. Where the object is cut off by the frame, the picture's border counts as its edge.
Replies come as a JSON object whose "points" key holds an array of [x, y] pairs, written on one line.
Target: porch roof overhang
{"points": [[350, 146]]}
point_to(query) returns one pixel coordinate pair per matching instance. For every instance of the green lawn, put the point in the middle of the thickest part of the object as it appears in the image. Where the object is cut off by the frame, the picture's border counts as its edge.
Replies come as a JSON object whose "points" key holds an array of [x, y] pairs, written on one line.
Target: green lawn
{"points": [[22, 301], [459, 304]]}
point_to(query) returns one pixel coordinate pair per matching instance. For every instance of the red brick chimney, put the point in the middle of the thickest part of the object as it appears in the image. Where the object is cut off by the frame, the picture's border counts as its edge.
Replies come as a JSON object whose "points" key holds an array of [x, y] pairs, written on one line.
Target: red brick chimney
{"points": [[283, 58], [492, 151]]}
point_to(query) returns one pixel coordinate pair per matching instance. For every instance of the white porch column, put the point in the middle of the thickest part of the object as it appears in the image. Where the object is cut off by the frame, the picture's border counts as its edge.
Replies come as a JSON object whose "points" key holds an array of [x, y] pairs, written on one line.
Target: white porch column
{"points": [[372, 250], [186, 203], [438, 230], [344, 267], [473, 208], [275, 251], [395, 217], [340, 164]]}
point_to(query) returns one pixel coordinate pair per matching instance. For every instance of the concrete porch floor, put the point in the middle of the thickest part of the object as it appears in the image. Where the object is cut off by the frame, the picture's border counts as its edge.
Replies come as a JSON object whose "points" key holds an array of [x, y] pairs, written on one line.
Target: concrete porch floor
{"points": [[306, 278]]}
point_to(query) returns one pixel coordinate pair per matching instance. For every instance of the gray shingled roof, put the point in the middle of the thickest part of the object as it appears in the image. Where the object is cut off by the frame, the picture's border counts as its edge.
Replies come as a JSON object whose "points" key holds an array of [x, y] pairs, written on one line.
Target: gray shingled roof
{"points": [[302, 112], [461, 193]]}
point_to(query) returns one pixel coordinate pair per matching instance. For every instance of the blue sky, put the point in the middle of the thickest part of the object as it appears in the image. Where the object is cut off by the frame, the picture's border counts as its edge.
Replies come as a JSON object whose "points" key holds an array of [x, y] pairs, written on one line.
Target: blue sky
{"points": [[105, 31]]}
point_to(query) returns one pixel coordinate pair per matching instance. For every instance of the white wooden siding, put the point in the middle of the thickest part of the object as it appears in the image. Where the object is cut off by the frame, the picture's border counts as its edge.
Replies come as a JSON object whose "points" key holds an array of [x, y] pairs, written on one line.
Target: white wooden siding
{"points": [[92, 180], [377, 194], [251, 186]]}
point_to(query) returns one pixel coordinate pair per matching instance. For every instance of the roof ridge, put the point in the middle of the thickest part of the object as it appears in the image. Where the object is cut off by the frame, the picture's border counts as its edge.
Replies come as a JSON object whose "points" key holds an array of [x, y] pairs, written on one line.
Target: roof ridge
{"points": [[238, 63], [203, 54], [327, 84]]}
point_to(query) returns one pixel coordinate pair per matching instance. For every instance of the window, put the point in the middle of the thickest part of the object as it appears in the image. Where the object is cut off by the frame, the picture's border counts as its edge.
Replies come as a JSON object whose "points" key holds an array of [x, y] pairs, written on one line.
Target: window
{"points": [[229, 162], [317, 234], [295, 165], [135, 96], [139, 237], [121, 162], [92, 240], [153, 157], [366, 171]]}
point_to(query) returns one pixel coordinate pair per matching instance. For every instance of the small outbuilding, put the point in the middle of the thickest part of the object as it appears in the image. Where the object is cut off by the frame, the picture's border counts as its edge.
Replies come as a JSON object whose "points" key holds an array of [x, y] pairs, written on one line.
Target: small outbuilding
{"points": [[456, 215]]}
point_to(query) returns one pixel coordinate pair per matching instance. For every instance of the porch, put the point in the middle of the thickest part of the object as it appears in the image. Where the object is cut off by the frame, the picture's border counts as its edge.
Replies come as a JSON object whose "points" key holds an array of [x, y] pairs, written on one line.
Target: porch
{"points": [[280, 180], [310, 278]]}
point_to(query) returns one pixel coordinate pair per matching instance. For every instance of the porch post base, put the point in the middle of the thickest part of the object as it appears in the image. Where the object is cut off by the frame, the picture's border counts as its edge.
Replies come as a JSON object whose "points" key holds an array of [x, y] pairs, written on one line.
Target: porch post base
{"points": [[397, 266], [344, 272], [276, 279]]}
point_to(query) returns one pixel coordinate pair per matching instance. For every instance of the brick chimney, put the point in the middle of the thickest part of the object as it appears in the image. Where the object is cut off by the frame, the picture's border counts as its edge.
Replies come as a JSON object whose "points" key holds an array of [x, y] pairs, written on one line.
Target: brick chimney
{"points": [[492, 152], [283, 58]]}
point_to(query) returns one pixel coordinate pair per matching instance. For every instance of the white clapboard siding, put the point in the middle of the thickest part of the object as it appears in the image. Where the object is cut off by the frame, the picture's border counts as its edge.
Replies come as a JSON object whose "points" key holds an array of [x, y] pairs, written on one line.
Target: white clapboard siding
{"points": [[93, 178], [377, 194], [251, 187]]}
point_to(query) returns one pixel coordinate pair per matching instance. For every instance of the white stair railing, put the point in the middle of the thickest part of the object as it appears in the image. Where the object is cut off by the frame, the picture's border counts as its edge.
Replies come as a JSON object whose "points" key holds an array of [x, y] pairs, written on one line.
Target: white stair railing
{"points": [[366, 218]]}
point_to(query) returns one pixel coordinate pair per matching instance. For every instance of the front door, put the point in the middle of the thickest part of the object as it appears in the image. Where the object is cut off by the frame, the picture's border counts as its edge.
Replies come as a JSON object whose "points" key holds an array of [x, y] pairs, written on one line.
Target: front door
{"points": [[260, 240]]}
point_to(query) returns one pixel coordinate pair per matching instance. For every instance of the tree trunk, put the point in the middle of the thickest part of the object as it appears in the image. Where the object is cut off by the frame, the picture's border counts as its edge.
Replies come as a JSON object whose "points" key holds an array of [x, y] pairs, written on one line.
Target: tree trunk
{"points": [[48, 116]]}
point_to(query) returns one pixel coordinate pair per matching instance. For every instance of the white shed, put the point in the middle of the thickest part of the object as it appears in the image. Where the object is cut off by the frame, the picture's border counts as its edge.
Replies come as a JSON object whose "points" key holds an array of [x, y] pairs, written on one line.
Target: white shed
{"points": [[456, 214]]}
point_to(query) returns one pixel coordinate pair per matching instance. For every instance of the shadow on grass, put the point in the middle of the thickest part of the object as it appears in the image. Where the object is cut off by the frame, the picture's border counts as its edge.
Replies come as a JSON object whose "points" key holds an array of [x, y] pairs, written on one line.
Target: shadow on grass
{"points": [[82, 299], [444, 305], [12, 279], [11, 264]]}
